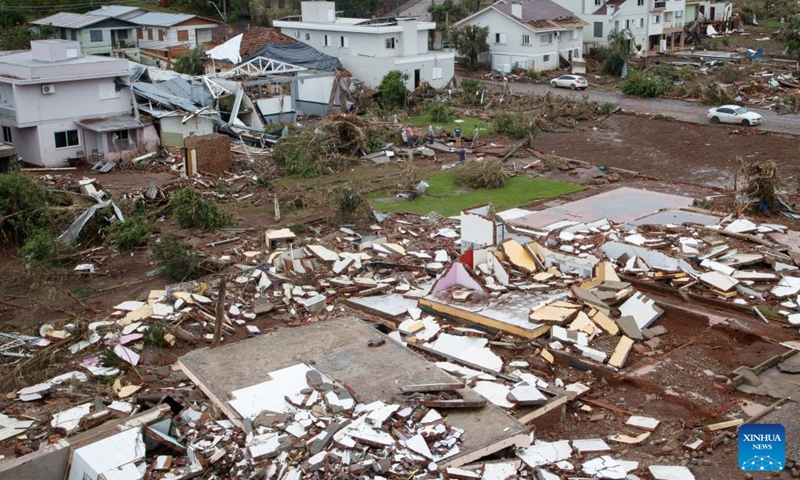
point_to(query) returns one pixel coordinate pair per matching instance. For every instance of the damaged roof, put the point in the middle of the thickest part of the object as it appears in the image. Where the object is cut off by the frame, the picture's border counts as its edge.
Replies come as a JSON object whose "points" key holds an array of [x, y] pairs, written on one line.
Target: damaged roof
{"points": [[271, 44], [77, 20], [257, 37], [536, 14]]}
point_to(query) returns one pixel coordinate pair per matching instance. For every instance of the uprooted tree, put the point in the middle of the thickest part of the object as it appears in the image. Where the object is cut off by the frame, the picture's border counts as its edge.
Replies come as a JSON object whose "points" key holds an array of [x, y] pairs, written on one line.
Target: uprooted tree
{"points": [[470, 41]]}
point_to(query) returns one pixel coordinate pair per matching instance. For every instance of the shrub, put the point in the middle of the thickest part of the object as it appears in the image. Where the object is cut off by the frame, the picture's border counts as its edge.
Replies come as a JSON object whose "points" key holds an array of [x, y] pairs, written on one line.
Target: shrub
{"points": [[23, 206], [179, 263], [469, 91], [513, 125], [193, 211], [646, 87], [393, 90], [613, 63], [731, 73], [483, 174], [300, 155], [607, 107], [534, 75], [154, 335], [134, 232], [438, 111], [41, 246]]}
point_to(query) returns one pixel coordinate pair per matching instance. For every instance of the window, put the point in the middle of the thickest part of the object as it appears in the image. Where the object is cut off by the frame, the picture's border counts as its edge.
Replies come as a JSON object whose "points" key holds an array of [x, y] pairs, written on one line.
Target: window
{"points": [[390, 43], [7, 135], [326, 40], [597, 3], [140, 33], [640, 3], [628, 23], [149, 33], [546, 58], [668, 16], [122, 34], [121, 135], [500, 38], [344, 42], [679, 14], [437, 73], [183, 35], [573, 34], [308, 36], [545, 38], [598, 29], [96, 35], [161, 36], [66, 139], [641, 22], [73, 35], [526, 39], [656, 19]]}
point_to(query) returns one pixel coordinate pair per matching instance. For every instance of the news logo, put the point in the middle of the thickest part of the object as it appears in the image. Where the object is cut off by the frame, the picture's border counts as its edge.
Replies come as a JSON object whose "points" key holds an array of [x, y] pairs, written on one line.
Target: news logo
{"points": [[762, 447]]}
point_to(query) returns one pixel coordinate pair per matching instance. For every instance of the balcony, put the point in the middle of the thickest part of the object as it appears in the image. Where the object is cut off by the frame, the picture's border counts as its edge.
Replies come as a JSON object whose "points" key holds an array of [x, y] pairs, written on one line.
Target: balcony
{"points": [[656, 6], [8, 116]]}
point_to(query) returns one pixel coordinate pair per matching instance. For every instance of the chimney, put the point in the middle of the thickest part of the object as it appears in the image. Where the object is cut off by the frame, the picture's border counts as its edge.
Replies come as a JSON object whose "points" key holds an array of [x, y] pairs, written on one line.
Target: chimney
{"points": [[516, 9]]}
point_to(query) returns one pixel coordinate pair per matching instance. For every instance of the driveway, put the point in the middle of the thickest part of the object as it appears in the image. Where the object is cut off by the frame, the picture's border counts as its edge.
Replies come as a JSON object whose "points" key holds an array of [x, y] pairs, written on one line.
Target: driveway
{"points": [[677, 109]]}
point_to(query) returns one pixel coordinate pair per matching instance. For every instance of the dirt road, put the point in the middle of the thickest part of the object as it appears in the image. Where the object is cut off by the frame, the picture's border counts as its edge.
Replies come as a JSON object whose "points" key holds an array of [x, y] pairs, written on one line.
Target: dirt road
{"points": [[677, 109]]}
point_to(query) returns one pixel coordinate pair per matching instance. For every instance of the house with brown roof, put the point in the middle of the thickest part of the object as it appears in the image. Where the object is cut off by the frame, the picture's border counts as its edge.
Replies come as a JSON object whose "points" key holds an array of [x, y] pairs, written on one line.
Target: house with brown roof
{"points": [[531, 34]]}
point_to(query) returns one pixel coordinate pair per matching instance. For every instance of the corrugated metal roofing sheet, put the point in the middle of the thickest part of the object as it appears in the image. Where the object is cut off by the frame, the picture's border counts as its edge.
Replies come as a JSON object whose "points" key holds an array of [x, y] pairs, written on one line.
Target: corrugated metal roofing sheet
{"points": [[113, 10], [70, 20], [161, 19]]}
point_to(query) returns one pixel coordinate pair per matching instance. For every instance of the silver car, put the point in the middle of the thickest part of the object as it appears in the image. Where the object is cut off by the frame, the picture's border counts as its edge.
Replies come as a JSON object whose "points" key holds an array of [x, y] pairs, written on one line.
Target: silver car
{"points": [[574, 82]]}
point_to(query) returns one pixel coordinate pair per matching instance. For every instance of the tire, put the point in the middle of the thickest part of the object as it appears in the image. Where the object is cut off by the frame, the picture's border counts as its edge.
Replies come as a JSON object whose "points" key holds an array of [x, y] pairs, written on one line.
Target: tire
{"points": [[553, 84], [572, 87], [745, 123], [714, 119]]}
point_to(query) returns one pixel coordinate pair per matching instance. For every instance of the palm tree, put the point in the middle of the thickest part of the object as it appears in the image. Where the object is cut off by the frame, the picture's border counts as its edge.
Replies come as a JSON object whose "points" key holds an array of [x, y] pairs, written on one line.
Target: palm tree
{"points": [[191, 63]]}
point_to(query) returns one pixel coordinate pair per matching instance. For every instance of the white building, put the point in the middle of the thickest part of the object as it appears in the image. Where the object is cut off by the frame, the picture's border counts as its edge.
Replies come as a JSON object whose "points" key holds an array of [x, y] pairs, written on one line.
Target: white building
{"points": [[371, 48], [656, 24], [531, 34]]}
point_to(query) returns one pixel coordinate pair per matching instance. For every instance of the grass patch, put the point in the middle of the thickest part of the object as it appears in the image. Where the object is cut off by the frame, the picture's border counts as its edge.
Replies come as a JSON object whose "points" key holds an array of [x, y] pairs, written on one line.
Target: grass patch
{"points": [[768, 311], [520, 190], [466, 126]]}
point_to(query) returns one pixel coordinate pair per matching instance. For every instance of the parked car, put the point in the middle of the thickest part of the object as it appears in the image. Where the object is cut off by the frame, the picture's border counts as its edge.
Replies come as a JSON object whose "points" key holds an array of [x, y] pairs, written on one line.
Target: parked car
{"points": [[569, 81], [734, 114]]}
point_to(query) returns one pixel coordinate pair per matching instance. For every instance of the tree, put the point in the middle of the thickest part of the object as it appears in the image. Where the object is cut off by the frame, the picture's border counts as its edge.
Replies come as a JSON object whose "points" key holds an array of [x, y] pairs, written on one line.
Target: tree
{"points": [[18, 37], [191, 63], [470, 41], [792, 38], [447, 11], [621, 46], [393, 90]]}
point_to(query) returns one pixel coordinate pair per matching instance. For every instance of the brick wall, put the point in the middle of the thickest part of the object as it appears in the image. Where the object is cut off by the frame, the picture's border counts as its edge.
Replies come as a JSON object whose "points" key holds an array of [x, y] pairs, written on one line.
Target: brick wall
{"points": [[213, 152]]}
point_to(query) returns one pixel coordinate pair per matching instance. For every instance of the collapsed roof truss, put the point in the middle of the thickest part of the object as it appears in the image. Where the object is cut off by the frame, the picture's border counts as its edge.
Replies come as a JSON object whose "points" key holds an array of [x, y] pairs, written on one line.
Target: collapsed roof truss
{"points": [[260, 66]]}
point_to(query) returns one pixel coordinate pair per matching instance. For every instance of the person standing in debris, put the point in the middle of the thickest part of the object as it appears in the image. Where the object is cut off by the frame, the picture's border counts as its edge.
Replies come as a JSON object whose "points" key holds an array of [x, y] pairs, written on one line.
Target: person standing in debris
{"points": [[475, 137], [430, 133], [462, 156], [409, 136], [457, 134]]}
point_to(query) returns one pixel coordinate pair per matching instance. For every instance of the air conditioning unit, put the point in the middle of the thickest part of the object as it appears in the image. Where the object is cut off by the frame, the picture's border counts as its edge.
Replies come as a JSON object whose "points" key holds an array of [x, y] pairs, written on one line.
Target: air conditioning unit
{"points": [[48, 89]]}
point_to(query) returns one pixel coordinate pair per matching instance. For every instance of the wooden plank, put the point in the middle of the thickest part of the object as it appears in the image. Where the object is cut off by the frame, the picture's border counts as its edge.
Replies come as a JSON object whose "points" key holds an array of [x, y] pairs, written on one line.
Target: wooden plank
{"points": [[607, 406], [547, 408], [432, 387], [723, 425]]}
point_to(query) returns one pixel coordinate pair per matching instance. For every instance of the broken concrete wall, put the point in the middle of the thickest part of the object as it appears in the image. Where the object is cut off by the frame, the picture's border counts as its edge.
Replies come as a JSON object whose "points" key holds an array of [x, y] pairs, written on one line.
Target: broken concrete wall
{"points": [[49, 463], [173, 130], [477, 231], [212, 152]]}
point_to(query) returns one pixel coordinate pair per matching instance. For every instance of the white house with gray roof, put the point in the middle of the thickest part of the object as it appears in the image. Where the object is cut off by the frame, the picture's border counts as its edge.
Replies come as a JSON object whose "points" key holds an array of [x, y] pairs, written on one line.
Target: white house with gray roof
{"points": [[371, 48], [57, 103], [531, 34], [97, 35]]}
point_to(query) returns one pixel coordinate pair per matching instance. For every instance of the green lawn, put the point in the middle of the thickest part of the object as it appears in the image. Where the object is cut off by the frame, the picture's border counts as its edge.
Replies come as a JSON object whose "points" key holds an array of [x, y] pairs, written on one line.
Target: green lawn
{"points": [[466, 126], [520, 190]]}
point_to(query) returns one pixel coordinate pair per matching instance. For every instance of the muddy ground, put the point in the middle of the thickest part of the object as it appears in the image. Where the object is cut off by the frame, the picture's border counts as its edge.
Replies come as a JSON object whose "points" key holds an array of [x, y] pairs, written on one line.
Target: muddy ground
{"points": [[703, 154]]}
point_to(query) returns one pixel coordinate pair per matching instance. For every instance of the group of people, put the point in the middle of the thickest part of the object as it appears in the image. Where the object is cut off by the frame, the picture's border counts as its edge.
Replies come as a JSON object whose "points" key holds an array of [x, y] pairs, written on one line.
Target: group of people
{"points": [[408, 136]]}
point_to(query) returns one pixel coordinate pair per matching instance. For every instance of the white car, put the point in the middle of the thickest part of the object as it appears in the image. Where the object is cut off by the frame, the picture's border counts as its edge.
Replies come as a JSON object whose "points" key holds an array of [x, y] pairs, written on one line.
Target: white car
{"points": [[734, 114], [569, 81]]}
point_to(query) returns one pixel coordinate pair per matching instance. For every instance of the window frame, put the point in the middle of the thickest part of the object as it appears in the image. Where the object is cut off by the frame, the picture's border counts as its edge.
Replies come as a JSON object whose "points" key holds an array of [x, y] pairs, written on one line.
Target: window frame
{"points": [[326, 40], [548, 36], [526, 39], [95, 36], [182, 35], [390, 43], [67, 143], [344, 41], [546, 58], [7, 136]]}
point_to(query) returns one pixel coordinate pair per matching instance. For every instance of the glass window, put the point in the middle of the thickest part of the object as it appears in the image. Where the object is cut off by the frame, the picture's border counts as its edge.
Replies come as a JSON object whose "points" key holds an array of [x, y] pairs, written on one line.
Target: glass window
{"points": [[122, 34], [547, 58], [7, 135], [96, 35], [545, 38], [326, 40], [183, 35], [390, 43], [598, 29], [68, 138], [526, 39]]}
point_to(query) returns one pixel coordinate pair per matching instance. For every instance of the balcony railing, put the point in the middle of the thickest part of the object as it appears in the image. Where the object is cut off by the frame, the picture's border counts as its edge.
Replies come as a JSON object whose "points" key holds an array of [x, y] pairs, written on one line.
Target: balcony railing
{"points": [[8, 113]]}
